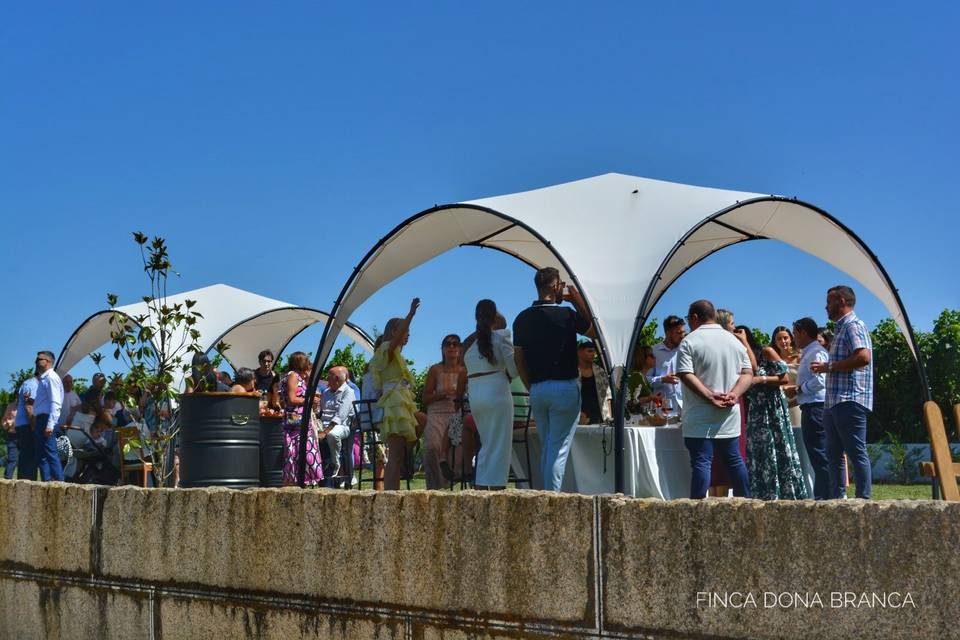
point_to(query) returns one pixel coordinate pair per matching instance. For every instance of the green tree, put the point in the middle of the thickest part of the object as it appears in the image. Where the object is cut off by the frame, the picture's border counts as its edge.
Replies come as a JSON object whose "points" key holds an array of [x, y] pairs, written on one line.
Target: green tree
{"points": [[898, 394], [943, 365], [157, 347], [354, 360], [16, 379], [763, 339]]}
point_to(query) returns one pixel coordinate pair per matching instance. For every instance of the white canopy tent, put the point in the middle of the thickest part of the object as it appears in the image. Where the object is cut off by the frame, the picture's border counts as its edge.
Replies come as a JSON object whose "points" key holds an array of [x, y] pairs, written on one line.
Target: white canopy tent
{"points": [[643, 235], [246, 321], [622, 272]]}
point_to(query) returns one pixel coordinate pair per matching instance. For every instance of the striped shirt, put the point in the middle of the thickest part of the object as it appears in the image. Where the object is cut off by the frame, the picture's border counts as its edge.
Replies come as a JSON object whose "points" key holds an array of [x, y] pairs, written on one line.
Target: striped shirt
{"points": [[850, 386]]}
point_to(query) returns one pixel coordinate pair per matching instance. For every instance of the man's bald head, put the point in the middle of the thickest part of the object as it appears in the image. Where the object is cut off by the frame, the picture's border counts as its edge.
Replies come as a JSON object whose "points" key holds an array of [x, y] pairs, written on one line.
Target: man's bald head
{"points": [[336, 376]]}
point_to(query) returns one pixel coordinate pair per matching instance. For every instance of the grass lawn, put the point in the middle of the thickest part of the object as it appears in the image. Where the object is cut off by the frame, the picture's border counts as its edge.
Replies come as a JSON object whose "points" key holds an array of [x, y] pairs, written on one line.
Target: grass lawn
{"points": [[898, 491]]}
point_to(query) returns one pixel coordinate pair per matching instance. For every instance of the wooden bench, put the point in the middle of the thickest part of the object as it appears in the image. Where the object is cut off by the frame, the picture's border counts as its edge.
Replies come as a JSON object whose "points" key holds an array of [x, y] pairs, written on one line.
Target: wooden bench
{"points": [[942, 467]]}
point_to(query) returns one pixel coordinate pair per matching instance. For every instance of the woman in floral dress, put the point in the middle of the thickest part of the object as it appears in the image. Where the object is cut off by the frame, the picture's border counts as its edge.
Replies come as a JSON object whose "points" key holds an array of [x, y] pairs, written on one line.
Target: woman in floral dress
{"points": [[772, 457], [293, 391]]}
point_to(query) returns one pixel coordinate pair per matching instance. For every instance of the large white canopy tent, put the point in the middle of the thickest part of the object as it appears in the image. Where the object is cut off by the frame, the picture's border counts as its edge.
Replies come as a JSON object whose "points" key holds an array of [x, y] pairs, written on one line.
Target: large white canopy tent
{"points": [[246, 321], [623, 240]]}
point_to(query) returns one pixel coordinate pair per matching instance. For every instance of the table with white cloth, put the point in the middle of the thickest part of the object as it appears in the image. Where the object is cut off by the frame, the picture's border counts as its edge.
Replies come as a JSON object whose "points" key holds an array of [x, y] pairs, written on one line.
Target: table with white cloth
{"points": [[655, 461]]}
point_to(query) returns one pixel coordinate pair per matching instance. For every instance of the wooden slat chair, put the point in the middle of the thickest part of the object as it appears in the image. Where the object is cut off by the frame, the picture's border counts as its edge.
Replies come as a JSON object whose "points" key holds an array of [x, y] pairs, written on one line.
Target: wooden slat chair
{"points": [[942, 468], [145, 468]]}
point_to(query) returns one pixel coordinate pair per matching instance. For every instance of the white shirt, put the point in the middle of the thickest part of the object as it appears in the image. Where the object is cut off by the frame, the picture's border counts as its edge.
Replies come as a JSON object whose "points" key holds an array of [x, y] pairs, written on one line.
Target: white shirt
{"points": [[716, 357], [49, 398], [666, 365], [336, 407], [502, 343]]}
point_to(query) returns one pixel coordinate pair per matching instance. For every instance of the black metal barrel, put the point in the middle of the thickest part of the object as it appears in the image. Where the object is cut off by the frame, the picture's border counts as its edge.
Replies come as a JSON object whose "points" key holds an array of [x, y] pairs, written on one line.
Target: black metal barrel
{"points": [[271, 451], [219, 440]]}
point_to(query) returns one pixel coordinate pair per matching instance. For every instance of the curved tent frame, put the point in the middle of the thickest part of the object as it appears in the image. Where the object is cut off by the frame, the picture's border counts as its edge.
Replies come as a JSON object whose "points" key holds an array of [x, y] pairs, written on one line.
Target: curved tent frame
{"points": [[620, 277], [247, 321]]}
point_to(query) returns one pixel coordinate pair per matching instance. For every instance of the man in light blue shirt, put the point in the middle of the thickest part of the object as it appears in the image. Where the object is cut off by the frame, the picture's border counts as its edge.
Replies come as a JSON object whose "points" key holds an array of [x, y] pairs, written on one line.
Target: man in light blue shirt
{"points": [[27, 464], [664, 377], [46, 413], [811, 393], [336, 411]]}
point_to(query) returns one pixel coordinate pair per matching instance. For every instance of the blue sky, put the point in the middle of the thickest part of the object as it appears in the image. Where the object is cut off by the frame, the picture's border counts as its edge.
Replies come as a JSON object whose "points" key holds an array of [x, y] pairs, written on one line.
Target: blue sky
{"points": [[272, 145]]}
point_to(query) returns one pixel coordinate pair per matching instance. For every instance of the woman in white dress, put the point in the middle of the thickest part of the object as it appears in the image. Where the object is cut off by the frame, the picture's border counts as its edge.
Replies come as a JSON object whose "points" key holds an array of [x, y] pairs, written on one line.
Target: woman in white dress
{"points": [[488, 356]]}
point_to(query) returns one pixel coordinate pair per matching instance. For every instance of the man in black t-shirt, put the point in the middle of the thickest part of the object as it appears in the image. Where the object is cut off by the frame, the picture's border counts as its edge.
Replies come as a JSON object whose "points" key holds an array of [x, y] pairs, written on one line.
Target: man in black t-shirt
{"points": [[545, 349], [263, 375]]}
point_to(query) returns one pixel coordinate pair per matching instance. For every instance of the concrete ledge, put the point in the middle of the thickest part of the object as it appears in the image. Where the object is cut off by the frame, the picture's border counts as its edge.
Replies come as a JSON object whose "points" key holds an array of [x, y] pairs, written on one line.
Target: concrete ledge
{"points": [[519, 555], [657, 558], [34, 610], [46, 525], [277, 563]]}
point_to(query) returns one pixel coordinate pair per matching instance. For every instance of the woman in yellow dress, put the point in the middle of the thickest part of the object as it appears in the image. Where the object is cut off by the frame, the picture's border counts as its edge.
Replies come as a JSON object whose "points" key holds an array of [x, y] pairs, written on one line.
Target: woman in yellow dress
{"points": [[400, 424]]}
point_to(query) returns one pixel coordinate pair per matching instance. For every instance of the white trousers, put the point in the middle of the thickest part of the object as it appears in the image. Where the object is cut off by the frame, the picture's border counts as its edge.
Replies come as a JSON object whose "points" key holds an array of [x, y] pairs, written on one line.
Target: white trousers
{"points": [[492, 406]]}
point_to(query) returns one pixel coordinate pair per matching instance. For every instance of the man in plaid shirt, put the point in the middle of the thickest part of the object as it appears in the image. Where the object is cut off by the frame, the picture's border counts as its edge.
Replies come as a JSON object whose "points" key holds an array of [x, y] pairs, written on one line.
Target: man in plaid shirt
{"points": [[849, 392]]}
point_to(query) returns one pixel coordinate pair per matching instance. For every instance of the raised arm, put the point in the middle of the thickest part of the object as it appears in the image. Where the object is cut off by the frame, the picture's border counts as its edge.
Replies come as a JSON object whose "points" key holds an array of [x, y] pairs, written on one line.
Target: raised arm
{"points": [[400, 334], [573, 296]]}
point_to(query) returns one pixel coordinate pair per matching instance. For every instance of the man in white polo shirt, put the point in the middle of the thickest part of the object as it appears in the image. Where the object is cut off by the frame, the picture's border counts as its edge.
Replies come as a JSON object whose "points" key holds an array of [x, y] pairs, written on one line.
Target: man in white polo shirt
{"points": [[716, 371]]}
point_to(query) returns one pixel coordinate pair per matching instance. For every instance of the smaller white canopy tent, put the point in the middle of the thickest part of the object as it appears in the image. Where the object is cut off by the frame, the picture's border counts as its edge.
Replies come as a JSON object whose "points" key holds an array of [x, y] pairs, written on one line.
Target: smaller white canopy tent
{"points": [[246, 321]]}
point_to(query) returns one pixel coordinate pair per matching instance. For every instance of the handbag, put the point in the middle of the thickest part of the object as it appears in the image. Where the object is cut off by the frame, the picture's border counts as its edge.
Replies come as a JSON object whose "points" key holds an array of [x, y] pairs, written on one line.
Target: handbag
{"points": [[64, 449], [455, 429]]}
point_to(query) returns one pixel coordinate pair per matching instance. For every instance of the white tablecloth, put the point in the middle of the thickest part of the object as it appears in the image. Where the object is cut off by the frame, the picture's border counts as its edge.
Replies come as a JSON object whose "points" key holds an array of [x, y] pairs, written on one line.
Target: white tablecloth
{"points": [[656, 462]]}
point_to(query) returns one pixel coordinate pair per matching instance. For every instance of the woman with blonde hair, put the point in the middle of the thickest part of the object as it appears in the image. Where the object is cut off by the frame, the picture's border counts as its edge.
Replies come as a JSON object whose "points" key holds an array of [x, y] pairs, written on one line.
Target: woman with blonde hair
{"points": [[400, 423]]}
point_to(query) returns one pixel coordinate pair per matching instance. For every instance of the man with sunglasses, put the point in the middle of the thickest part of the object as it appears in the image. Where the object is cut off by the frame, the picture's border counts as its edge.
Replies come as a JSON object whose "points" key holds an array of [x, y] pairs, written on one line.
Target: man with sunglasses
{"points": [[46, 413]]}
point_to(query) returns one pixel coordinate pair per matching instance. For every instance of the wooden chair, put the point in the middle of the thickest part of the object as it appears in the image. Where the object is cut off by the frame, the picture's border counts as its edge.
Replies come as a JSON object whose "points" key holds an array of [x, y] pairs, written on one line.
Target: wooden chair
{"points": [[124, 435], [942, 469]]}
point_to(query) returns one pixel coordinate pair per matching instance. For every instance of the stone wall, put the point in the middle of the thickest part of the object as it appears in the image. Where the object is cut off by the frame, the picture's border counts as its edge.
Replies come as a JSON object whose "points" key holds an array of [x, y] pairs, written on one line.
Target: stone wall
{"points": [[92, 562]]}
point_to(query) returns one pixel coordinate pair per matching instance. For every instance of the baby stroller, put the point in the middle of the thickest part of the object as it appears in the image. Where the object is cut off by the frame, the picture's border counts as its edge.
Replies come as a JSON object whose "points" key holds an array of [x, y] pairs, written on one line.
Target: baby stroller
{"points": [[94, 461]]}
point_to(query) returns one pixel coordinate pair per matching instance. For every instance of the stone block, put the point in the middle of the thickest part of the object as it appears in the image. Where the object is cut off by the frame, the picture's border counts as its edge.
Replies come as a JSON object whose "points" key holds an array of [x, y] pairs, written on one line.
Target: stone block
{"points": [[518, 555], [438, 631], [659, 560], [32, 610], [46, 525], [190, 619]]}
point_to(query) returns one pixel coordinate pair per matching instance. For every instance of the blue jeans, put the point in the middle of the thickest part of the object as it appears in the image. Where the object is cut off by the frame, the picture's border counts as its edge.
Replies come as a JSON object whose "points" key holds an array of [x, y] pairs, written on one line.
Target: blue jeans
{"points": [[701, 459], [13, 454], [48, 460], [845, 425], [811, 425], [555, 405], [27, 464]]}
